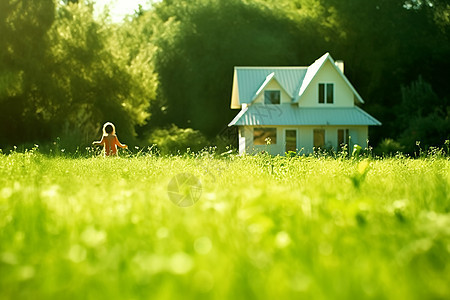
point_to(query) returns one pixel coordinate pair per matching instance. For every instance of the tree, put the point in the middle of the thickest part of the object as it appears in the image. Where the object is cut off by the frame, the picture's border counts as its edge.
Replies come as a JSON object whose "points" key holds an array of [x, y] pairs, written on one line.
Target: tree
{"points": [[424, 117], [133, 48], [62, 74], [93, 83], [199, 42], [23, 28]]}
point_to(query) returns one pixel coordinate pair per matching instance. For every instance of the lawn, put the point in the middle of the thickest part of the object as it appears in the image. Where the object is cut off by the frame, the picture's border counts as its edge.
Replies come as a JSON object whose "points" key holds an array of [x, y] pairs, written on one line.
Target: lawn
{"points": [[251, 227]]}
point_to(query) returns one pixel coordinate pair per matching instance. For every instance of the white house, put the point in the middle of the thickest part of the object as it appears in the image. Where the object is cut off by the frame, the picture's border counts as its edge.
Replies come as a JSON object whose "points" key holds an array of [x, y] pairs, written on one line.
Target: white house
{"points": [[297, 108]]}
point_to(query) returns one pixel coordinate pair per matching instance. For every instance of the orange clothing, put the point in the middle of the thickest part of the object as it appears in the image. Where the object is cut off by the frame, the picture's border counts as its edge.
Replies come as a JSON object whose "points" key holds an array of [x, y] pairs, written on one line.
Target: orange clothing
{"points": [[110, 143]]}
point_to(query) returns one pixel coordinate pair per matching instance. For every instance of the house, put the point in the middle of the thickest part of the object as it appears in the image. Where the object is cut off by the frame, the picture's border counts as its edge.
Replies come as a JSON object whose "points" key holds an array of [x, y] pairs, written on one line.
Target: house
{"points": [[298, 108]]}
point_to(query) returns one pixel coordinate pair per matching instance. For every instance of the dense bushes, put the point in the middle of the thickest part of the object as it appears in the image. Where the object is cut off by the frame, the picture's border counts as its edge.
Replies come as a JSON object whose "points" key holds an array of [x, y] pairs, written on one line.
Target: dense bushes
{"points": [[175, 140]]}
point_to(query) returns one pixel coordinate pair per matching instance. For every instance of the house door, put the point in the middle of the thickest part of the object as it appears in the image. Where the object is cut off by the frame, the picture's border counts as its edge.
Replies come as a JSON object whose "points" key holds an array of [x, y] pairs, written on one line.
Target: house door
{"points": [[291, 140], [319, 138]]}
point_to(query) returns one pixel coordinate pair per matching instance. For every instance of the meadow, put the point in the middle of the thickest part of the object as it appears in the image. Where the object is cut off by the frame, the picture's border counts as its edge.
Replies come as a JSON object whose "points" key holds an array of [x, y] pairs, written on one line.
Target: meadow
{"points": [[261, 227]]}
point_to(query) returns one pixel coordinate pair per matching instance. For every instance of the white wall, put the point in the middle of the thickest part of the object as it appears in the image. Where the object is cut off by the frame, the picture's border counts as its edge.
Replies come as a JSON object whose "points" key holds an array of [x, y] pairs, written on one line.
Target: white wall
{"points": [[305, 138], [343, 95]]}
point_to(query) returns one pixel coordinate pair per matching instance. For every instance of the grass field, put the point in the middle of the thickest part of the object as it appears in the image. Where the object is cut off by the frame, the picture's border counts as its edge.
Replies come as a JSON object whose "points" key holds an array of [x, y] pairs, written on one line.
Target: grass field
{"points": [[262, 228]]}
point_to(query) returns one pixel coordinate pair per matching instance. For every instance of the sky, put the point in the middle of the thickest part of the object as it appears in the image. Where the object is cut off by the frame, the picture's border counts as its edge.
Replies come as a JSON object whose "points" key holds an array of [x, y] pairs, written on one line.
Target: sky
{"points": [[120, 8]]}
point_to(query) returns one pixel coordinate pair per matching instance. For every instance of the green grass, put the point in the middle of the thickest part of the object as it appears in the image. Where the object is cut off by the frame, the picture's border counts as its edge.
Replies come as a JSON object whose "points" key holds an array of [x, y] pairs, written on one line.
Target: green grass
{"points": [[263, 228]]}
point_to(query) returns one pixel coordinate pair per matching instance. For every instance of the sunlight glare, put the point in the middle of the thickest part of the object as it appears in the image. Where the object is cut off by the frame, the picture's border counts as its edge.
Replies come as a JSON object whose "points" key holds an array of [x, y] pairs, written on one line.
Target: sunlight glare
{"points": [[118, 9]]}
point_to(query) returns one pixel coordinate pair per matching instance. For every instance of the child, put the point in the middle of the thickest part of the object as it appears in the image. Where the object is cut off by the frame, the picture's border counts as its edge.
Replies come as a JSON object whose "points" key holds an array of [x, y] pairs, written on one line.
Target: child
{"points": [[109, 140]]}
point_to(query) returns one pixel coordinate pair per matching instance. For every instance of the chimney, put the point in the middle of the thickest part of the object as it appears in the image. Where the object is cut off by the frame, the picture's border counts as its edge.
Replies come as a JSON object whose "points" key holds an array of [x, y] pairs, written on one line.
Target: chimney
{"points": [[340, 65]]}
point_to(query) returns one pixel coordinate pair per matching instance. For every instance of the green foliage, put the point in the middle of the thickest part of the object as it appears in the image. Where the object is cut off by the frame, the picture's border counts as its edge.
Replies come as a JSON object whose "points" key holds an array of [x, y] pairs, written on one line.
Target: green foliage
{"points": [[424, 116], [70, 80], [359, 176], [93, 86], [356, 150], [264, 228], [176, 140], [418, 100], [389, 147], [23, 45]]}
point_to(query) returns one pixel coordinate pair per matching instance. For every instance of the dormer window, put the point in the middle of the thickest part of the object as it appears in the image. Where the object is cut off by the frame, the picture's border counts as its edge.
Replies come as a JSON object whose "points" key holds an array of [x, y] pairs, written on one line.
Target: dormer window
{"points": [[326, 93], [271, 97]]}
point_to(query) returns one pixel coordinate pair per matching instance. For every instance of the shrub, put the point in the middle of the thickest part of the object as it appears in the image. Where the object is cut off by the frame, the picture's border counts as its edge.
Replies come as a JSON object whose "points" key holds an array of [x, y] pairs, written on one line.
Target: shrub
{"points": [[389, 147], [174, 139]]}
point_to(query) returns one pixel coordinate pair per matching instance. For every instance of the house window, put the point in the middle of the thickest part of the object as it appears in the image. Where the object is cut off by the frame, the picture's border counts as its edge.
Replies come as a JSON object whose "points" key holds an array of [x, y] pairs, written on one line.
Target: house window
{"points": [[271, 97], [264, 136], [326, 93], [343, 137], [319, 138]]}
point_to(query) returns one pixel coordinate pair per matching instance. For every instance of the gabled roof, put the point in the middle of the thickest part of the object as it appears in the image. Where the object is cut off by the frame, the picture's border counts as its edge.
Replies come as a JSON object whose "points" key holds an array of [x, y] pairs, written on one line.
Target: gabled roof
{"points": [[249, 81], [269, 78], [314, 69], [287, 114]]}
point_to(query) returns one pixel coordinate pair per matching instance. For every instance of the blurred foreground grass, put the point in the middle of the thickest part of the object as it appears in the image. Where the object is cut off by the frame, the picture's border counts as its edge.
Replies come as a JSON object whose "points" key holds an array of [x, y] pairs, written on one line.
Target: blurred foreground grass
{"points": [[263, 228]]}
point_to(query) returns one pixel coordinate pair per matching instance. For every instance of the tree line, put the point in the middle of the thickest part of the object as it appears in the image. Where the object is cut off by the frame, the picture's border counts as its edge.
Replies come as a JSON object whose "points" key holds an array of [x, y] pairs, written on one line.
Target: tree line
{"points": [[63, 72]]}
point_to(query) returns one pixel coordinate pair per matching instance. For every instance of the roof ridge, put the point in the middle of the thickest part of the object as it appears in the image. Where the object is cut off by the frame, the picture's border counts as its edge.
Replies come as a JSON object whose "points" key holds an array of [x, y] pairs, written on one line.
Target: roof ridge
{"points": [[310, 74]]}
